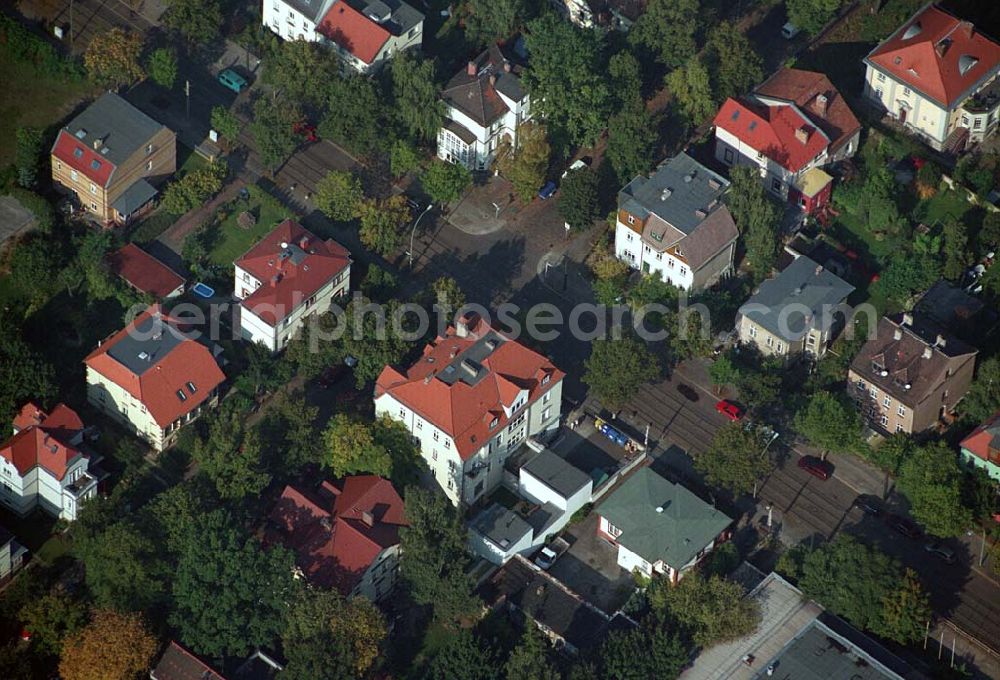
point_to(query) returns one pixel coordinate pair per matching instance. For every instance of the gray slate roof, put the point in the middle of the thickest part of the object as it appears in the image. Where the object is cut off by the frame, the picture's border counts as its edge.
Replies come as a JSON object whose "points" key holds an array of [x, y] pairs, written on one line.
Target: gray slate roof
{"points": [[310, 9], [556, 473], [152, 340], [793, 301], [122, 128], [133, 198], [403, 16], [502, 526], [676, 534]]}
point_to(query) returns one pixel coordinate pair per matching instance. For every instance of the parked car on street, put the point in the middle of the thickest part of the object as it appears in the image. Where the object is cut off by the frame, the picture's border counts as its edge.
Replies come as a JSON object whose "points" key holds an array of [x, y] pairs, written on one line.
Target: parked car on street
{"points": [[688, 392], [904, 526], [729, 409], [546, 558], [868, 505], [232, 80], [816, 467], [547, 191], [942, 551]]}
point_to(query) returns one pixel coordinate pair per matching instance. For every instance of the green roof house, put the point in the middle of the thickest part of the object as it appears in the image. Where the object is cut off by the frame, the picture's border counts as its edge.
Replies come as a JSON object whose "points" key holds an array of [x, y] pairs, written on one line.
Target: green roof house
{"points": [[660, 527]]}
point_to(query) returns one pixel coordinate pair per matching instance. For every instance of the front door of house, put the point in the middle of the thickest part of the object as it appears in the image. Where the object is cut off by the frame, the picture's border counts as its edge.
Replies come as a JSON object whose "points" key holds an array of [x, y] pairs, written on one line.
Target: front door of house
{"points": [[902, 114]]}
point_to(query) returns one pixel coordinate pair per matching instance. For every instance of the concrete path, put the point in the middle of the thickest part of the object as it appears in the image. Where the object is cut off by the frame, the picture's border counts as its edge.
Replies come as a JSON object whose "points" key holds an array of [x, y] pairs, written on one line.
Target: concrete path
{"points": [[173, 237]]}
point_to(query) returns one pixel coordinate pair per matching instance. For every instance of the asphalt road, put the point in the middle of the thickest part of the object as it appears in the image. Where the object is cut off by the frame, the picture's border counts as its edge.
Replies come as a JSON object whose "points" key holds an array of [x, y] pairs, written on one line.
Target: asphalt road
{"points": [[91, 18]]}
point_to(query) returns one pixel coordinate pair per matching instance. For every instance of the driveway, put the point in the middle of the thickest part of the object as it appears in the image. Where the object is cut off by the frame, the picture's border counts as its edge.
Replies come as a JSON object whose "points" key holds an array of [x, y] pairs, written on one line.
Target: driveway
{"points": [[590, 567]]}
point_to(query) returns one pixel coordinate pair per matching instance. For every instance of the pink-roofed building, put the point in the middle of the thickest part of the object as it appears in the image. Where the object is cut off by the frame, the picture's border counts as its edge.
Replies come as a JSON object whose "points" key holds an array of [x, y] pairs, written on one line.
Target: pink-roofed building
{"points": [[345, 534], [288, 275], [44, 464], [472, 400]]}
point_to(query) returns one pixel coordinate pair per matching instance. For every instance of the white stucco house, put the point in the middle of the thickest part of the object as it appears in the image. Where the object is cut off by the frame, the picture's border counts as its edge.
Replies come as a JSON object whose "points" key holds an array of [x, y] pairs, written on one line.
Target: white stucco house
{"points": [[286, 276], [483, 104], [364, 34], [552, 490], [659, 527], [472, 400], [45, 465], [937, 76], [674, 224], [153, 377]]}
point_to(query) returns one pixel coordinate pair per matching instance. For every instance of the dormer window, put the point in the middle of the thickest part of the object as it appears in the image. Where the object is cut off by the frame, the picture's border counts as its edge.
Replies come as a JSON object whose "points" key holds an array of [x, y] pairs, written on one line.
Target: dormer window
{"points": [[78, 152], [494, 422], [877, 367], [546, 378]]}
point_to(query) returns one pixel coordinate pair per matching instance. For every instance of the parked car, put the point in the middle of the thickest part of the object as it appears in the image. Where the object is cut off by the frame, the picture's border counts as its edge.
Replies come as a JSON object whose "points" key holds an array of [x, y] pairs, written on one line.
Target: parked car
{"points": [[547, 191], [729, 409], [415, 205], [942, 551], [789, 31], [546, 558], [232, 80], [688, 392], [904, 526], [868, 505], [816, 467]]}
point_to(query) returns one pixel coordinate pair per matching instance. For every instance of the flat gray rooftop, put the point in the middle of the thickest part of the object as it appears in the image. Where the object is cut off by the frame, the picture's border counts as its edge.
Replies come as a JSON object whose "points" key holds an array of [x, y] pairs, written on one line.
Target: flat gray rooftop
{"points": [[559, 475], [468, 366], [146, 345]]}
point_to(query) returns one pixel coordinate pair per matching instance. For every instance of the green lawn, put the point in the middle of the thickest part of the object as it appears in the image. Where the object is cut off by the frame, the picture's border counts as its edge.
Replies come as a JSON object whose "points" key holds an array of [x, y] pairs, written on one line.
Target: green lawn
{"points": [[188, 160], [34, 99], [231, 240], [943, 205]]}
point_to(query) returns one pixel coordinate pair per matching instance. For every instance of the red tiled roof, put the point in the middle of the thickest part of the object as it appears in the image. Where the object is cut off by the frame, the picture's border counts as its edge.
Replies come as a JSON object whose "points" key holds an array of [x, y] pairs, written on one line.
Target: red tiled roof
{"points": [[464, 411], [803, 88], [178, 663], [984, 438], [43, 439], [144, 272], [924, 60], [333, 543], [157, 387], [66, 148], [772, 130], [353, 31], [284, 282]]}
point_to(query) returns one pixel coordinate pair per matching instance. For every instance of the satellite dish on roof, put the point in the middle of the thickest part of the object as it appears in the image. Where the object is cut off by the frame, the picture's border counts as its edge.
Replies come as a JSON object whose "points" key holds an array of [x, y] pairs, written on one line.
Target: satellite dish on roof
{"points": [[284, 245]]}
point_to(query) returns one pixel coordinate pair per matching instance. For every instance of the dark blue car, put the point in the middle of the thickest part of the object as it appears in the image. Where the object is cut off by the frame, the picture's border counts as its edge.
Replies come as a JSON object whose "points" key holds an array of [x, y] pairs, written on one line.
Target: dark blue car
{"points": [[547, 191]]}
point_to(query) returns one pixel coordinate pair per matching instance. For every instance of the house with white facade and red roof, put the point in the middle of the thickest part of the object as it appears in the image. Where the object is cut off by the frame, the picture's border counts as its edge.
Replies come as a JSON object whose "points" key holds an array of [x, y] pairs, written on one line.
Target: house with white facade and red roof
{"points": [[472, 400], [937, 76], [344, 534], [288, 275], [154, 376], [789, 127], [46, 465]]}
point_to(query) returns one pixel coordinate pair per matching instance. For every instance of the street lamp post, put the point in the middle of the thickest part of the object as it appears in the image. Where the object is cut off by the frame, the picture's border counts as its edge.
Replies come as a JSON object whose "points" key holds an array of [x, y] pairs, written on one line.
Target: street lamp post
{"points": [[774, 435], [414, 229]]}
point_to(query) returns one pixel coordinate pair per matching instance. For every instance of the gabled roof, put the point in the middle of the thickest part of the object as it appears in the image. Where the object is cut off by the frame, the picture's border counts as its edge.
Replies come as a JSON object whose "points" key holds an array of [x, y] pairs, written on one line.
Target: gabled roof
{"points": [[178, 663], [938, 55], [291, 264], [817, 98], [476, 90], [144, 272], [781, 132], [112, 125], [338, 532], [984, 439], [660, 520], [151, 359], [363, 28], [802, 297], [46, 440], [460, 383]]}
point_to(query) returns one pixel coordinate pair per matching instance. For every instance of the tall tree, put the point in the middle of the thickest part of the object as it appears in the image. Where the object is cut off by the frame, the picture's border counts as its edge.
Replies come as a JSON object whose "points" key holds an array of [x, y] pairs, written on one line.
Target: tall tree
{"points": [[626, 76], [226, 124], [983, 398], [932, 481], [488, 21], [112, 59], [230, 457], [462, 657], [445, 182], [28, 156], [736, 459], [373, 348], [357, 116], [433, 556], [415, 92], [566, 80], [52, 618], [526, 165], [291, 421], [199, 21], [529, 659], [577, 201], [811, 15], [616, 369], [642, 653], [273, 130], [829, 423], [112, 646], [339, 195], [162, 67], [734, 64], [956, 249], [229, 595], [691, 86], [120, 567], [906, 611], [296, 67], [667, 30], [382, 223], [757, 219], [712, 610], [631, 140]]}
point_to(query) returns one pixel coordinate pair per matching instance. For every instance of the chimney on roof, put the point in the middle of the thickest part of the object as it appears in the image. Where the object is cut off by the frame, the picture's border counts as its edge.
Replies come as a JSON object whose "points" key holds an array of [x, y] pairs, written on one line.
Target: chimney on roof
{"points": [[493, 79], [304, 243], [471, 369], [802, 134], [821, 104], [819, 269], [368, 518], [897, 335], [275, 279], [506, 66], [966, 28], [97, 143], [471, 69], [940, 341], [928, 351], [941, 47], [907, 319]]}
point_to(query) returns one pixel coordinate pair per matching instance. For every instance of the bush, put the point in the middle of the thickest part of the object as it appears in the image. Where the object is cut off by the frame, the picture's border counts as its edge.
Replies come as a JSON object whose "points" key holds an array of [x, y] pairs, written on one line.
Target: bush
{"points": [[45, 216], [24, 46]]}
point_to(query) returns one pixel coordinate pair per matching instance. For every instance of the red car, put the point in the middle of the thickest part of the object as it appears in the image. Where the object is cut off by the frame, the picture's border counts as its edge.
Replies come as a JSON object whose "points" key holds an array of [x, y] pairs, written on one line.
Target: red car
{"points": [[729, 409], [816, 467], [306, 130]]}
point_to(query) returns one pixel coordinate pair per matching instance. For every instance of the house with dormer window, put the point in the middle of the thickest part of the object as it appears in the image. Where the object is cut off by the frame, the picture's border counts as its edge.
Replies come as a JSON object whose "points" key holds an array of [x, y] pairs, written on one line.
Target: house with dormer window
{"points": [[154, 376], [472, 400], [937, 77]]}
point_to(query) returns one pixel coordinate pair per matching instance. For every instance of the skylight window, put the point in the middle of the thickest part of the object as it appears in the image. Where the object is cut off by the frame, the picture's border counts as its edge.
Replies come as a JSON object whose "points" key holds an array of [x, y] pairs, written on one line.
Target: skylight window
{"points": [[181, 395], [753, 125], [95, 164], [191, 387], [78, 152]]}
